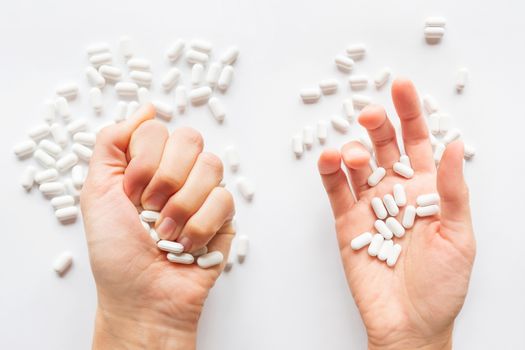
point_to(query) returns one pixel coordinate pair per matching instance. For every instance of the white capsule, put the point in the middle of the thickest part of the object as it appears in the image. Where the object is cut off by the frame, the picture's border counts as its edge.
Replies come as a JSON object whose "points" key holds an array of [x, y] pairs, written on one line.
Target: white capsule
{"points": [[85, 138], [375, 244], [225, 78], [214, 71], [230, 55], [379, 208], [361, 241], [125, 47], [62, 201], [110, 72], [68, 90], [126, 89], [386, 250], [52, 189], [169, 246], [210, 259], [344, 63], [146, 226], [171, 79], [24, 148], [44, 159], [139, 64], [38, 132], [434, 32], [433, 123], [340, 124], [310, 95], [47, 175], [95, 97], [403, 170], [397, 229], [49, 111], [469, 151], [199, 252], [132, 107], [200, 95], [121, 110], [77, 125], [180, 258], [181, 98], [322, 131], [376, 176], [27, 179], [246, 188], [62, 263], [445, 123], [409, 216], [329, 86], [59, 134], [427, 199], [66, 214], [143, 95], [232, 158], [358, 82], [400, 195], [356, 52], [461, 79], [361, 101], [141, 78], [149, 215], [348, 108], [452, 135], [372, 163], [197, 74], [297, 145], [308, 137], [382, 77], [383, 229], [78, 176], [152, 233], [62, 107], [66, 162], [428, 210], [438, 152], [201, 45], [390, 204], [405, 160], [71, 189], [82, 151], [435, 21], [243, 244], [430, 104], [394, 255], [193, 56], [97, 48], [164, 110], [101, 58], [175, 50]]}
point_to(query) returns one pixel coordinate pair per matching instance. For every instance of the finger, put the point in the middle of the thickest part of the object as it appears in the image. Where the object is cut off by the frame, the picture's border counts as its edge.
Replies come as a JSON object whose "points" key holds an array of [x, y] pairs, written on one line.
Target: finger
{"points": [[382, 134], [145, 152], [357, 159], [180, 153], [204, 177], [335, 182], [414, 129], [217, 209]]}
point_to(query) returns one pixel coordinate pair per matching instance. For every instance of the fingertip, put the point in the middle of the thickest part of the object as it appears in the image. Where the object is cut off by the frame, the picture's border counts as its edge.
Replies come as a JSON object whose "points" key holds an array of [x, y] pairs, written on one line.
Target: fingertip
{"points": [[355, 155], [329, 161], [372, 117]]}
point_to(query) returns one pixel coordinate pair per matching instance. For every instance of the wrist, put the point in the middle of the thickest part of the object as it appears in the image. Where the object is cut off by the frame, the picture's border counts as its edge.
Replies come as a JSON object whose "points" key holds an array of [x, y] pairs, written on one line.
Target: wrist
{"points": [[441, 341]]}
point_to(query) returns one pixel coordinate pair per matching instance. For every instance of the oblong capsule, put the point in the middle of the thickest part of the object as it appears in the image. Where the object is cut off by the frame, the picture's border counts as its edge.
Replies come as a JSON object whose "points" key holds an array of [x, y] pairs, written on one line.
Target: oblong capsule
{"points": [[386, 250], [164, 110], [197, 74], [39, 132], [246, 188], [427, 199], [49, 111], [377, 175], [214, 71], [44, 159], [110, 72], [310, 95], [361, 241], [180, 258], [68, 90], [201, 45], [120, 112], [216, 109], [379, 208], [405, 160], [125, 46], [143, 95], [181, 98], [403, 170], [71, 189], [101, 58], [433, 123], [225, 78], [85, 138], [77, 125], [51, 189], [361, 101], [356, 51], [243, 245], [434, 32], [297, 145], [328, 86], [382, 77], [375, 244], [59, 134], [77, 176], [232, 158], [27, 179], [400, 195], [149, 215], [344, 63], [67, 214], [200, 95], [24, 148], [193, 56], [82, 151], [97, 48], [171, 79], [230, 55], [322, 131], [308, 136], [397, 229], [132, 107], [210, 259], [461, 79], [430, 104], [383, 229], [428, 210], [340, 124], [175, 50], [469, 151], [169, 246], [390, 204], [126, 89], [394, 255], [358, 82], [62, 107], [52, 148], [153, 234], [62, 201], [435, 21], [451, 136], [445, 123], [95, 98], [141, 78], [63, 263], [47, 175], [409, 216], [137, 63]]}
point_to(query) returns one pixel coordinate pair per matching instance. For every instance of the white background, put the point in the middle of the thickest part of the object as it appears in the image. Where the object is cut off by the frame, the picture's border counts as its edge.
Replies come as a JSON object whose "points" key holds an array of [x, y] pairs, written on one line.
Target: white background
{"points": [[291, 292]]}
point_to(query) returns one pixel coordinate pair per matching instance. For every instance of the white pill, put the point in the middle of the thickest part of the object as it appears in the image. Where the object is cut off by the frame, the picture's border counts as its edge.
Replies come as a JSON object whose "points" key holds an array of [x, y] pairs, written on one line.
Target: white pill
{"points": [[193, 56], [66, 214], [344, 63], [461, 79], [78, 176], [101, 58], [376, 176], [361, 101], [403, 170], [59, 134], [153, 234], [386, 250], [85, 138], [68, 90], [126, 89], [405, 160], [120, 112], [171, 79], [62, 201], [51, 189], [77, 125], [97, 48], [445, 123], [246, 188], [430, 104], [125, 46], [243, 244], [149, 215], [232, 158], [62, 107], [110, 72], [356, 51], [230, 261], [348, 108], [340, 124], [201, 45], [372, 163], [169, 246], [39, 131], [438, 152], [82, 151], [50, 147], [49, 111], [214, 71], [132, 107], [27, 179], [62, 263], [451, 136], [199, 252], [175, 50], [397, 229], [181, 98], [469, 151], [47, 175], [44, 159], [375, 244], [409, 216], [217, 109], [164, 110], [361, 241], [394, 255], [358, 82], [379, 208], [95, 98], [322, 131], [66, 162], [297, 145], [24, 148], [308, 137], [141, 78], [400, 195], [329, 86], [210, 259], [382, 77], [225, 78], [428, 210], [71, 189], [200, 95], [143, 95], [435, 21], [181, 258], [230, 55], [146, 226], [390, 204], [427, 199], [197, 74], [383, 229], [433, 123], [434, 32], [139, 64], [95, 78], [310, 95]]}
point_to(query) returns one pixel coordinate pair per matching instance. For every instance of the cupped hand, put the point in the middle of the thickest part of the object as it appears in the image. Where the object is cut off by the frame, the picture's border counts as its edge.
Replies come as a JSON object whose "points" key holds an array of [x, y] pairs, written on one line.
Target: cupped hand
{"points": [[414, 303]]}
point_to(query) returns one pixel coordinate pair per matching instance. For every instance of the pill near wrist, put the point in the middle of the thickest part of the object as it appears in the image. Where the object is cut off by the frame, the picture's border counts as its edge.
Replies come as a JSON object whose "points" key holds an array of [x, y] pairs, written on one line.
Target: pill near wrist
{"points": [[169, 246], [210, 259]]}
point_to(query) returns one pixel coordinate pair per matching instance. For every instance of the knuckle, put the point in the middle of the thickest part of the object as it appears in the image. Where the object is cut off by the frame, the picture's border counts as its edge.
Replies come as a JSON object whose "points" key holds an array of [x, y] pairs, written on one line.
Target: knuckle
{"points": [[200, 230], [153, 126], [192, 136], [212, 161], [225, 198], [167, 180], [177, 209]]}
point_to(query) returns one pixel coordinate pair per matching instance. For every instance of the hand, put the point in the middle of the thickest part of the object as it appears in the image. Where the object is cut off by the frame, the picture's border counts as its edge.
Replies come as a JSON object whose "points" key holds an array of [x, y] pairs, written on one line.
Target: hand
{"points": [[413, 304], [144, 301]]}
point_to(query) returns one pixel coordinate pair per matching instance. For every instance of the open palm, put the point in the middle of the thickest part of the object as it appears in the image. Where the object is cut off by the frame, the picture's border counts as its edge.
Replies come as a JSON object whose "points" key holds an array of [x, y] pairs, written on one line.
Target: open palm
{"points": [[417, 300]]}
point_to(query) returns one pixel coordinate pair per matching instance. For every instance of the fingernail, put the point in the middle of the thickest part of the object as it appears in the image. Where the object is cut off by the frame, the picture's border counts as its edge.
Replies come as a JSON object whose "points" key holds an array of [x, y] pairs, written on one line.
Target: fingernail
{"points": [[186, 243], [156, 201], [166, 228]]}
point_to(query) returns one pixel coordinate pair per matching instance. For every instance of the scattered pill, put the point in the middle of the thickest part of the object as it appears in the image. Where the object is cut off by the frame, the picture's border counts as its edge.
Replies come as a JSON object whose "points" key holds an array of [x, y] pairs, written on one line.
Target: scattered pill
{"points": [[44, 159], [77, 176], [344, 63], [434, 32], [125, 46], [430, 104], [95, 78], [397, 229], [77, 125], [154, 235], [146, 226], [217, 109], [82, 151], [175, 50], [394, 255], [66, 214], [375, 244], [322, 131], [390, 204], [358, 82], [143, 95], [24, 148], [197, 74], [201, 45], [310, 95], [400, 195], [126, 89], [403, 170], [435, 21], [40, 131], [246, 188], [214, 71], [63, 263], [27, 179], [85, 138], [200, 95], [47, 175], [164, 110], [225, 78], [171, 79], [62, 107], [361, 241], [149, 215], [298, 145], [377, 175], [230, 55], [169, 246], [379, 208], [62, 201], [210, 259], [180, 258], [141, 78], [59, 134], [95, 97], [409, 216], [69, 91], [428, 210], [328, 86], [356, 52], [348, 108], [49, 111], [111, 73], [382, 77], [101, 58], [242, 247], [121, 110], [232, 158], [139, 64], [433, 123], [52, 189], [461, 79], [386, 250], [340, 124], [193, 56], [372, 163], [469, 151], [383, 229], [361, 101], [308, 137], [427, 199], [181, 98], [445, 123], [71, 189], [97, 48]]}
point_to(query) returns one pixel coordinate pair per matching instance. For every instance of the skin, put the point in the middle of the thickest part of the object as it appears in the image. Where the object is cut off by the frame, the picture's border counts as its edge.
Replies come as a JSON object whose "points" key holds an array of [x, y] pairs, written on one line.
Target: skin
{"points": [[413, 304], [144, 301]]}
